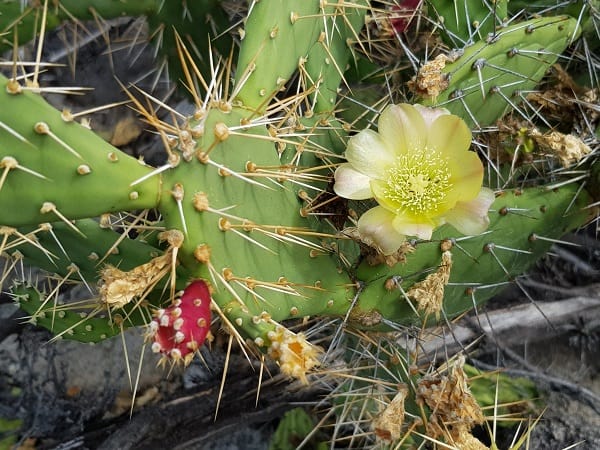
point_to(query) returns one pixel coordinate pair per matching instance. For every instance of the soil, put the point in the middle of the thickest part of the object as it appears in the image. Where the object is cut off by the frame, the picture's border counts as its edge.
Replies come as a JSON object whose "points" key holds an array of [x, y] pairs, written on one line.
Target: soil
{"points": [[75, 396]]}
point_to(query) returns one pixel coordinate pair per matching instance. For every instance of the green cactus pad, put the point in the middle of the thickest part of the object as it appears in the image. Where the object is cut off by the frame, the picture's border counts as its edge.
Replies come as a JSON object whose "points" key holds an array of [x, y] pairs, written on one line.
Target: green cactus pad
{"points": [[201, 25], [503, 391], [462, 21], [86, 324], [386, 391], [64, 249], [52, 167], [69, 257], [488, 78], [26, 15], [243, 229], [523, 224], [295, 425], [277, 35], [328, 58]]}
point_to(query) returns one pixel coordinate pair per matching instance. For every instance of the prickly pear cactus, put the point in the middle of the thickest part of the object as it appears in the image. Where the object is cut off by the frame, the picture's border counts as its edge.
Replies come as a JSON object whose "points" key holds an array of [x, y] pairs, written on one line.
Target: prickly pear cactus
{"points": [[243, 215]]}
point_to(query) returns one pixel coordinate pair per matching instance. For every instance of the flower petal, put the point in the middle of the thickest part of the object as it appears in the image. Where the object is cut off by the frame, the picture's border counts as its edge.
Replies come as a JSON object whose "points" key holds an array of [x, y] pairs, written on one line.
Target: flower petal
{"points": [[379, 189], [375, 229], [368, 154], [466, 178], [351, 184], [449, 135], [472, 217], [402, 128], [411, 227], [430, 114]]}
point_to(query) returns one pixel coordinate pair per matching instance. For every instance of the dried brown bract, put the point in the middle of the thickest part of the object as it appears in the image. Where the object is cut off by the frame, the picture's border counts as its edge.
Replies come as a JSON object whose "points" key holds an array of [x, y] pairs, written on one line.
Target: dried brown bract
{"points": [[564, 102], [387, 425], [454, 410], [430, 80], [375, 257], [118, 287], [567, 148], [429, 293]]}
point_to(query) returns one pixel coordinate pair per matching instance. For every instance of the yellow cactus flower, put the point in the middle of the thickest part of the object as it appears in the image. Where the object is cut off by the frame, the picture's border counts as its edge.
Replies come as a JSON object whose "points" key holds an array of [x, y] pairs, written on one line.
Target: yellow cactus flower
{"points": [[419, 168]]}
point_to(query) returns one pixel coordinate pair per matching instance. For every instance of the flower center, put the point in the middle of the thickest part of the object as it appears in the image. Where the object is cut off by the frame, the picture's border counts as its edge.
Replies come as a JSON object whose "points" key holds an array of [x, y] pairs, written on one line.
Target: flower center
{"points": [[418, 182]]}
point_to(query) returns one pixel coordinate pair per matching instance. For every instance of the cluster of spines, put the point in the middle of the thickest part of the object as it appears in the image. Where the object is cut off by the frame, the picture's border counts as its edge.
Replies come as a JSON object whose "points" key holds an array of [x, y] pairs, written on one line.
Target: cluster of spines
{"points": [[392, 399]]}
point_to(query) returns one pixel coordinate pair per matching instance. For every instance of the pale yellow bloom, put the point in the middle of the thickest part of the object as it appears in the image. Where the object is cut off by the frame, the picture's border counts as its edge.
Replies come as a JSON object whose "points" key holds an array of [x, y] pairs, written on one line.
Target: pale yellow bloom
{"points": [[419, 168]]}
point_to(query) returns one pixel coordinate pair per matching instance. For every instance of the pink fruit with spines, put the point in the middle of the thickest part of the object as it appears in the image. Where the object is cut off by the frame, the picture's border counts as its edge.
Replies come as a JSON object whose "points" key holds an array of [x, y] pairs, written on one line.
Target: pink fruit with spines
{"points": [[179, 330]]}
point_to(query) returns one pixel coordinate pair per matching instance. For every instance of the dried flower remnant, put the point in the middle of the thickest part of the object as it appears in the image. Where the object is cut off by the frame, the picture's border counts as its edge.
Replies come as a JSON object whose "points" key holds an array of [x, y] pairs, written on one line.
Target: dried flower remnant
{"points": [[294, 354], [463, 439], [373, 256], [118, 287], [454, 410], [429, 293], [387, 425], [419, 168], [569, 149], [430, 81]]}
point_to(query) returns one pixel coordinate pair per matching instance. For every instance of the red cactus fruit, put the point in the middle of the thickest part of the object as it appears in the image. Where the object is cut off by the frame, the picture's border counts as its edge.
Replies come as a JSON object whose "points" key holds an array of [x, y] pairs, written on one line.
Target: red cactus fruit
{"points": [[403, 14], [179, 330]]}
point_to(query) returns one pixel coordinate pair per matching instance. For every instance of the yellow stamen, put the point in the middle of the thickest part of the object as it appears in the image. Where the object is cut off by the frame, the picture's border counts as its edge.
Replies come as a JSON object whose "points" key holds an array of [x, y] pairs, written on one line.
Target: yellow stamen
{"points": [[418, 183]]}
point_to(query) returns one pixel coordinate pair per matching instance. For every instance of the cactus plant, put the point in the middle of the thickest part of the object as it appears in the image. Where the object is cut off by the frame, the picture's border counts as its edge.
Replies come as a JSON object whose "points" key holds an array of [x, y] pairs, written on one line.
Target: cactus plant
{"points": [[242, 200]]}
